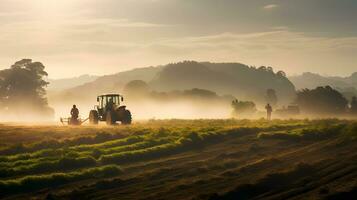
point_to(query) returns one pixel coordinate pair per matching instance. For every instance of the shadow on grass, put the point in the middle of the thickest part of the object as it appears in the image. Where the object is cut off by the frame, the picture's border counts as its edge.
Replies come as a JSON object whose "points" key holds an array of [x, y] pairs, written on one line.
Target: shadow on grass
{"points": [[270, 183]]}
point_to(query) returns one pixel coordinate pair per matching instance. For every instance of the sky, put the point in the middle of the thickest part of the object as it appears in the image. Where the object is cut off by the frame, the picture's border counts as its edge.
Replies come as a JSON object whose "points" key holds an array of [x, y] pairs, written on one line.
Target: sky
{"points": [[74, 37]]}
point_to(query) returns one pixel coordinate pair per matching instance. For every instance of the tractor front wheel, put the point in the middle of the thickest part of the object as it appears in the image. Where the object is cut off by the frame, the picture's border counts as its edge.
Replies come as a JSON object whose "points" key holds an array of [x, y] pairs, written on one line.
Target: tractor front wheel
{"points": [[127, 118], [110, 118], [93, 117]]}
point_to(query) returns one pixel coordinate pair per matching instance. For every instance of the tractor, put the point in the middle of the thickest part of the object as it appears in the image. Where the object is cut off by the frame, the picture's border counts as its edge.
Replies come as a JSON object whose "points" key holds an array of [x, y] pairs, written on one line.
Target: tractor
{"points": [[110, 110]]}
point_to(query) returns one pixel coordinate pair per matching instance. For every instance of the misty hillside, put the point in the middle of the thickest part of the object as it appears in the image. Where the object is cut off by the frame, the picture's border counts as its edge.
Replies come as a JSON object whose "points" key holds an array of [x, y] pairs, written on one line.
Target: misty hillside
{"points": [[66, 83], [312, 80], [103, 84], [224, 78]]}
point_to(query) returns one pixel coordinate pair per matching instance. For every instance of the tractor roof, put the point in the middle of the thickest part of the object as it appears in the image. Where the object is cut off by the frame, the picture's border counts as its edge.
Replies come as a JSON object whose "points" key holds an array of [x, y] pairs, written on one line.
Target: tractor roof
{"points": [[109, 95]]}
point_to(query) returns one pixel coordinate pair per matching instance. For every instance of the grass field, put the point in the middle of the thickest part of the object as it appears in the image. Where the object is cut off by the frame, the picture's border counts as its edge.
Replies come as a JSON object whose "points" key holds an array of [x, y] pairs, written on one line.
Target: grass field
{"points": [[181, 159]]}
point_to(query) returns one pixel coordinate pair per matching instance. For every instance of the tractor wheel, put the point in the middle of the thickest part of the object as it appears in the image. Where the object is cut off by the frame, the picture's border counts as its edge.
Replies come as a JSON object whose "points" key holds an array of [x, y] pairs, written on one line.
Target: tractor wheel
{"points": [[93, 117], [110, 118], [127, 118]]}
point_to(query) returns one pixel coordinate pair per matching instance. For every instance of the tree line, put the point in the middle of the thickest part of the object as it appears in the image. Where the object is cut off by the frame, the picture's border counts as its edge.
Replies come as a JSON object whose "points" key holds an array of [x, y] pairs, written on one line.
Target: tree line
{"points": [[322, 101]]}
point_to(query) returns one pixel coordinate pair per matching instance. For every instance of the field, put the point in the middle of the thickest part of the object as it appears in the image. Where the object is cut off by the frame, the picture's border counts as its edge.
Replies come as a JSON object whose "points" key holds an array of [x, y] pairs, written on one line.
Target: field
{"points": [[181, 159]]}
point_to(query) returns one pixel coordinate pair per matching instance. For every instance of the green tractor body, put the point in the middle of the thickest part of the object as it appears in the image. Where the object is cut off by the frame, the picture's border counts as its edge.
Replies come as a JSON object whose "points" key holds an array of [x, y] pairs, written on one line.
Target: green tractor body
{"points": [[110, 110]]}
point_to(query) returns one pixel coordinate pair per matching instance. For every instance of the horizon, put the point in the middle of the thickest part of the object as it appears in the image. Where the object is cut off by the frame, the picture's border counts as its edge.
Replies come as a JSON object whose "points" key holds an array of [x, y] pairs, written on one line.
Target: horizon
{"points": [[75, 37], [275, 70]]}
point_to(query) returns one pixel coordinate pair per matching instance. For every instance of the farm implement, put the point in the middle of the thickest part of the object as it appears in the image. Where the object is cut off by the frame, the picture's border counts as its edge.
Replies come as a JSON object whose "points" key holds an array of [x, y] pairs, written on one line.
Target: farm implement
{"points": [[73, 122]]}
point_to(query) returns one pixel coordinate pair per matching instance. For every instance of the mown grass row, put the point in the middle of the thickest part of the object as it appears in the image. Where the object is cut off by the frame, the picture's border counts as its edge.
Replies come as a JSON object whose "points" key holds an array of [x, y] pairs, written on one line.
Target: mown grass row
{"points": [[69, 162], [143, 129], [303, 133], [60, 166], [116, 146], [135, 148], [56, 150], [346, 130], [140, 148], [190, 141], [152, 148], [30, 183], [129, 143], [63, 164]]}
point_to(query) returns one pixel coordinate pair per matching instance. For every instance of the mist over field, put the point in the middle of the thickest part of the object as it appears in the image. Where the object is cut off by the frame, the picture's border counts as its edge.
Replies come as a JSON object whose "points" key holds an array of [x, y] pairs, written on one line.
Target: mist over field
{"points": [[178, 99], [184, 90], [187, 89]]}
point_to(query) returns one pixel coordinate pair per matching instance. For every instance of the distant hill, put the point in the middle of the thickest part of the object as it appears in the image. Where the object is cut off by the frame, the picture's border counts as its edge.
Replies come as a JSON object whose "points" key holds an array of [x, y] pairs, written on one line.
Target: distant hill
{"points": [[236, 79], [223, 78], [346, 85], [312, 80], [66, 83], [104, 84], [351, 80]]}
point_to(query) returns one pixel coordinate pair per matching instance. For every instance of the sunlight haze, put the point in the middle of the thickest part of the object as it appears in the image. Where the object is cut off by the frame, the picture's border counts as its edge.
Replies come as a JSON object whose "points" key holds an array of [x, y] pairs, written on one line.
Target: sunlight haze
{"points": [[74, 37]]}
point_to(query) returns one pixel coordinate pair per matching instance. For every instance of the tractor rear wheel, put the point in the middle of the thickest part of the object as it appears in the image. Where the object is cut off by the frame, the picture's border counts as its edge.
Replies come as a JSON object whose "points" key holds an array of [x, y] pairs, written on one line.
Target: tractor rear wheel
{"points": [[93, 117], [109, 118], [127, 118]]}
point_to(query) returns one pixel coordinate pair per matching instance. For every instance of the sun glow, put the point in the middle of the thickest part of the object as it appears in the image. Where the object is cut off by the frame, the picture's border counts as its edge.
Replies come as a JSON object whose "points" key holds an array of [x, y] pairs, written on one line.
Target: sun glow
{"points": [[52, 9]]}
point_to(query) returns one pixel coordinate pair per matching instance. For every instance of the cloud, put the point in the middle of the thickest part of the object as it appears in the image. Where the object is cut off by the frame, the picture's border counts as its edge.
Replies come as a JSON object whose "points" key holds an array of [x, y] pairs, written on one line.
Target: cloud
{"points": [[124, 23], [270, 6], [294, 52], [103, 38]]}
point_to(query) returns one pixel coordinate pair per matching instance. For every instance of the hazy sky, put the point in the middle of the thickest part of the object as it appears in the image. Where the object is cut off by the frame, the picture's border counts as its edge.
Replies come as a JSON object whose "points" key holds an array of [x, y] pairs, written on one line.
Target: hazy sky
{"points": [[73, 37]]}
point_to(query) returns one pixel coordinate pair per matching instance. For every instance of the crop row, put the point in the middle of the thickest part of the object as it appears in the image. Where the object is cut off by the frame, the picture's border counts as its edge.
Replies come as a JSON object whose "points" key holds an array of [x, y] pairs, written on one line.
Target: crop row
{"points": [[144, 147], [110, 135], [29, 183], [151, 148]]}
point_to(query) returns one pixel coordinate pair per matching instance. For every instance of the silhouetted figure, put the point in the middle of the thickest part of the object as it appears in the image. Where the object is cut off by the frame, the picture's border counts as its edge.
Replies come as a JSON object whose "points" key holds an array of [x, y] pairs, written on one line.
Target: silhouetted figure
{"points": [[74, 112], [110, 105], [269, 111]]}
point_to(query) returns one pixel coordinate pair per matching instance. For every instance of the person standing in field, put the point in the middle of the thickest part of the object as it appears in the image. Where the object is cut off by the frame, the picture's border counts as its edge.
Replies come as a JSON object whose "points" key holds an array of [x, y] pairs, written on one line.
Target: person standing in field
{"points": [[74, 112], [269, 111]]}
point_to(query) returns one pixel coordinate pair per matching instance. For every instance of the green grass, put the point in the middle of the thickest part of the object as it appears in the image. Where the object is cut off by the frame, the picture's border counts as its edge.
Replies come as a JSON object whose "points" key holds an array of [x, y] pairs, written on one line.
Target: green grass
{"points": [[28, 183], [50, 163]]}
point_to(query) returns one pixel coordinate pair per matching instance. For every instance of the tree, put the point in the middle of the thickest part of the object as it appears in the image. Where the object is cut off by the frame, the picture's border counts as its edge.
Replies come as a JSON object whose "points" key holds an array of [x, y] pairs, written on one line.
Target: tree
{"points": [[322, 100], [23, 90], [201, 93], [262, 68], [354, 105], [243, 108], [136, 88], [271, 97], [281, 73]]}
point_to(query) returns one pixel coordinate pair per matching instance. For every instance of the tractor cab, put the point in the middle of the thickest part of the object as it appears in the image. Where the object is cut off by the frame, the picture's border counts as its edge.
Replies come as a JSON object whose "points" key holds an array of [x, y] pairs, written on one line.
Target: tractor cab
{"points": [[109, 102]]}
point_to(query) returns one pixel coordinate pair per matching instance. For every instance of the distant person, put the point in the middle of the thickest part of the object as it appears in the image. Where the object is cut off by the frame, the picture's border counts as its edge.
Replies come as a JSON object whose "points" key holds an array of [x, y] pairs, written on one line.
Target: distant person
{"points": [[74, 112], [269, 111]]}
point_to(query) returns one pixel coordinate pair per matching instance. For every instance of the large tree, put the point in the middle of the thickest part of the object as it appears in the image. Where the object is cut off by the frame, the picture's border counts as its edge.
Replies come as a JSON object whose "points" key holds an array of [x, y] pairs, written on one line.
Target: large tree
{"points": [[322, 100], [23, 90]]}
